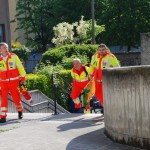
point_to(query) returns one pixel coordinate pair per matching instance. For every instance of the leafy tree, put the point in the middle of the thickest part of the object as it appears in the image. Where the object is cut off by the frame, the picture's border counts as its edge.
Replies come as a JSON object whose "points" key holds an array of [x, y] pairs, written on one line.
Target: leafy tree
{"points": [[124, 21], [72, 10], [36, 18]]}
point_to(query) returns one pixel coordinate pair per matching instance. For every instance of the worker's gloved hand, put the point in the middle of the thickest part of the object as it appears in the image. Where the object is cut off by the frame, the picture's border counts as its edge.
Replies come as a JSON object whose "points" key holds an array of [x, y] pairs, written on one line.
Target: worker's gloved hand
{"points": [[22, 80]]}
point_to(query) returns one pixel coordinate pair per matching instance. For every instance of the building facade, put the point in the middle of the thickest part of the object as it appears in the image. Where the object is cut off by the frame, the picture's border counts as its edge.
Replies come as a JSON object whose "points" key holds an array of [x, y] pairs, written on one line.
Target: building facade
{"points": [[8, 31], [4, 22], [15, 34]]}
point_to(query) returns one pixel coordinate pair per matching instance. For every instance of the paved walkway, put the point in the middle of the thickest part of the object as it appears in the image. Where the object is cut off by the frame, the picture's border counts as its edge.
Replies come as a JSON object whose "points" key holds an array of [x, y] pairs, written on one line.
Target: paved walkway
{"points": [[56, 132]]}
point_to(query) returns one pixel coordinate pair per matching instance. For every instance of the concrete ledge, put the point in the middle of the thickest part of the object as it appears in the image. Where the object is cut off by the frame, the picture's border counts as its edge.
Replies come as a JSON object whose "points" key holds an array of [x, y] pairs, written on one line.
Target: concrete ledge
{"points": [[127, 139], [127, 105]]}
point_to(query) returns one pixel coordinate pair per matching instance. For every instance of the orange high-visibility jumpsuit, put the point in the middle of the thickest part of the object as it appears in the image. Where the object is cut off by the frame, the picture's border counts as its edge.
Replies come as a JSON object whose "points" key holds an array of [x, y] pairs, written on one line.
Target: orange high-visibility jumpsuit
{"points": [[11, 73], [80, 80], [97, 64], [98, 85]]}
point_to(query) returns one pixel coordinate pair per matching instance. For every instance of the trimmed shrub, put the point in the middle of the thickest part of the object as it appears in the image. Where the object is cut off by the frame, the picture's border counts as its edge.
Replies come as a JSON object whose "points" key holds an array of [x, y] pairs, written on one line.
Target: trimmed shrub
{"points": [[56, 55], [40, 82]]}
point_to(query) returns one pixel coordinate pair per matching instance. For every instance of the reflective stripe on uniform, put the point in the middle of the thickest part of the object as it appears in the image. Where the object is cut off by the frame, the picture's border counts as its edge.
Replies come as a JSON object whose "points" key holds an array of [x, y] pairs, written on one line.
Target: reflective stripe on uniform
{"points": [[4, 109], [30, 100], [76, 101], [10, 79], [3, 70], [19, 108], [23, 75], [19, 64], [81, 80], [3, 115], [96, 68], [98, 80], [108, 61]]}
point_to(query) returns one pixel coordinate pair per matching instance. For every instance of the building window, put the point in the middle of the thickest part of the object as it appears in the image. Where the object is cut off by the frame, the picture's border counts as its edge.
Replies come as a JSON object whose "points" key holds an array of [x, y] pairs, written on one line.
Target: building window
{"points": [[2, 38]]}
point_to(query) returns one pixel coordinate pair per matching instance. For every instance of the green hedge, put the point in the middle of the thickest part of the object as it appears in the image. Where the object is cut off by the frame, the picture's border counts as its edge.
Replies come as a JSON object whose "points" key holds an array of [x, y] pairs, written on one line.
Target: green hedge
{"points": [[57, 54], [37, 81], [44, 84]]}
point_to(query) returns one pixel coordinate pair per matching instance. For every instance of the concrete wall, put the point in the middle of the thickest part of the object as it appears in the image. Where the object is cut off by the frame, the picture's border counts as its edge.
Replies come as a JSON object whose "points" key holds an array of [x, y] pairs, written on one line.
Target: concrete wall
{"points": [[137, 57], [145, 44], [129, 59], [127, 105]]}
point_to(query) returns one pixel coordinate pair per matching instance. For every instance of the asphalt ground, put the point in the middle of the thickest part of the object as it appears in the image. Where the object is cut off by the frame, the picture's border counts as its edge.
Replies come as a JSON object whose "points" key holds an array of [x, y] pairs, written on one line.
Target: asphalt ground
{"points": [[44, 131]]}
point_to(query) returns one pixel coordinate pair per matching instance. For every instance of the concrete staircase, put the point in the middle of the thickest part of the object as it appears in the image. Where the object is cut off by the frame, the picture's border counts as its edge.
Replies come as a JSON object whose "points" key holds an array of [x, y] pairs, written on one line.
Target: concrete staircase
{"points": [[41, 104]]}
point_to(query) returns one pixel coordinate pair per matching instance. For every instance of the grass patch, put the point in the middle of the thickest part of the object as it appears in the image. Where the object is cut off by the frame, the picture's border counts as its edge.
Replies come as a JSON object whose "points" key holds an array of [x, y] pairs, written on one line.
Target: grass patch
{"points": [[8, 129]]}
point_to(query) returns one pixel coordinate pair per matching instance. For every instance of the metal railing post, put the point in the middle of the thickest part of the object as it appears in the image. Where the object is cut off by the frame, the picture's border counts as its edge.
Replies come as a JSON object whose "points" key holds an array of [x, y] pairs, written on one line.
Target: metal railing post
{"points": [[55, 84]]}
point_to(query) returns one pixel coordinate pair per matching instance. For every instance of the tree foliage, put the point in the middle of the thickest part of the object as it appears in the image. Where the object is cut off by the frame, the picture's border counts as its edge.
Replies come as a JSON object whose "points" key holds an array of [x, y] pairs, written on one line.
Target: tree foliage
{"points": [[123, 20], [72, 10], [36, 18]]}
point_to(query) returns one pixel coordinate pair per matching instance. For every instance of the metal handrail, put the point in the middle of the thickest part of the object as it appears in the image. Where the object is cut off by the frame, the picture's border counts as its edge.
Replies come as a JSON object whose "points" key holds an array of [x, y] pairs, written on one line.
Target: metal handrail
{"points": [[39, 103], [66, 91], [55, 77], [23, 103], [40, 109], [50, 104], [63, 79], [60, 108]]}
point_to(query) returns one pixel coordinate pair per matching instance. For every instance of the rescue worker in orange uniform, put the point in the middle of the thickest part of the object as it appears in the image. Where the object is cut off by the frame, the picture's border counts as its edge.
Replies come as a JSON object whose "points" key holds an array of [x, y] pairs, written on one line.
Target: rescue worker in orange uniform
{"points": [[11, 74], [101, 59], [81, 78]]}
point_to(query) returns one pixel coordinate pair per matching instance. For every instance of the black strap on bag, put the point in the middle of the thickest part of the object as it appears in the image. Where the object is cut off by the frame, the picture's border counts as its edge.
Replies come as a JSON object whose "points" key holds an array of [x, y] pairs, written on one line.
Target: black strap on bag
{"points": [[85, 69]]}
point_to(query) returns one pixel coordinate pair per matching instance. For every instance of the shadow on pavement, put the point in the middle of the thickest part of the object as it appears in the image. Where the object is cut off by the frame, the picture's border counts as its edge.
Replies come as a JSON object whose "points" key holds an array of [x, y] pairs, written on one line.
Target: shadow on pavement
{"points": [[96, 140], [10, 121], [77, 125], [66, 117], [73, 117]]}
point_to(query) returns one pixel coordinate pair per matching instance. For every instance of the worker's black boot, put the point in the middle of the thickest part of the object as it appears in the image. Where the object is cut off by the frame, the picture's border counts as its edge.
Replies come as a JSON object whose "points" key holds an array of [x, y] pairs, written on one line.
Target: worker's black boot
{"points": [[102, 111], [2, 120], [20, 115]]}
